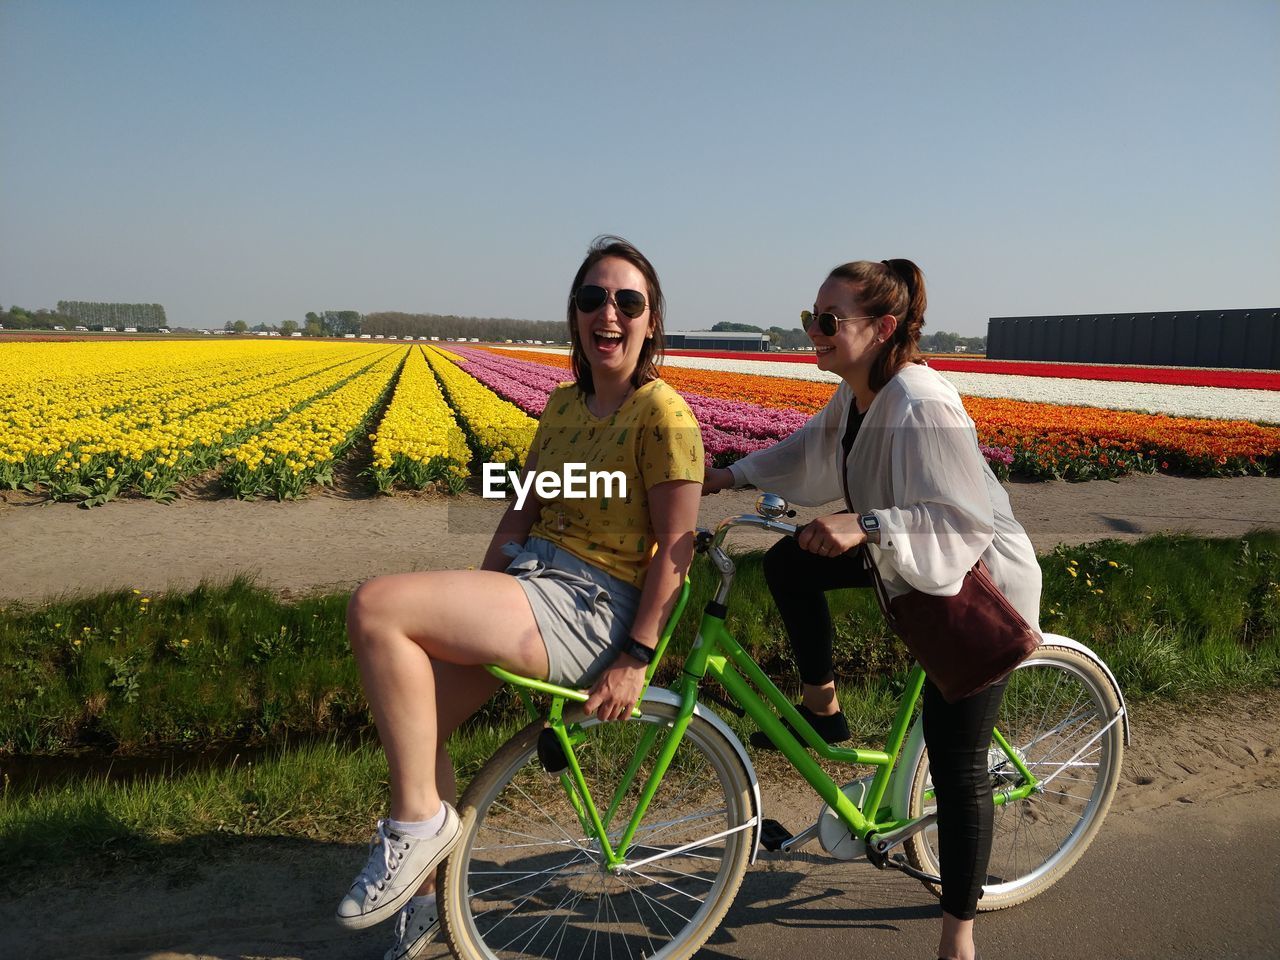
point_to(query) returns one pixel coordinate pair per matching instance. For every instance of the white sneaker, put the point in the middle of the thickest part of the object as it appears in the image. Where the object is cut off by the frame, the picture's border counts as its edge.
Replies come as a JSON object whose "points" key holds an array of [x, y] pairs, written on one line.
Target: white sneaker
{"points": [[397, 867], [415, 928]]}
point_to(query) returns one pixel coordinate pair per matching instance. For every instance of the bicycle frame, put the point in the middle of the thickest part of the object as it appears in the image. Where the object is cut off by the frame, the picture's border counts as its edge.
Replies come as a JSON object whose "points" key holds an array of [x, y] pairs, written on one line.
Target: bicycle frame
{"points": [[717, 654]]}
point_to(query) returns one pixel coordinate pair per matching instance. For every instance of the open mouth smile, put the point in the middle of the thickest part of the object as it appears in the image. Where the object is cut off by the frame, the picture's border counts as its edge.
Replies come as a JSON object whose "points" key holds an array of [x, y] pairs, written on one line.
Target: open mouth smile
{"points": [[607, 340]]}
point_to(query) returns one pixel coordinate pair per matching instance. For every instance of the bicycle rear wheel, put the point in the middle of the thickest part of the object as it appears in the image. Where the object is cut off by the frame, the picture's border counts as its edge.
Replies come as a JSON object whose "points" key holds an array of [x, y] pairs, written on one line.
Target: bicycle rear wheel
{"points": [[1059, 714], [527, 879]]}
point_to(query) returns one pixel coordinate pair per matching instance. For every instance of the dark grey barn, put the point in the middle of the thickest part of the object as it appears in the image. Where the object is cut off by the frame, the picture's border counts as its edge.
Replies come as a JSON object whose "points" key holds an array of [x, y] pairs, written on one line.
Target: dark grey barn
{"points": [[1246, 339]]}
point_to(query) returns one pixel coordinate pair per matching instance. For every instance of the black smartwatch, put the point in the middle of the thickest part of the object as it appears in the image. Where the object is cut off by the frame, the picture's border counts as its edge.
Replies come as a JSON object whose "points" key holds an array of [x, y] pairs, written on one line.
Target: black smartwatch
{"points": [[870, 526], [635, 649]]}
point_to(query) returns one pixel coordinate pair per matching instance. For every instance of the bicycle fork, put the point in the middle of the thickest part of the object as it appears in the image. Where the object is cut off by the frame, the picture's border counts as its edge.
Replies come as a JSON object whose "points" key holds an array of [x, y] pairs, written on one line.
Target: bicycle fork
{"points": [[564, 761]]}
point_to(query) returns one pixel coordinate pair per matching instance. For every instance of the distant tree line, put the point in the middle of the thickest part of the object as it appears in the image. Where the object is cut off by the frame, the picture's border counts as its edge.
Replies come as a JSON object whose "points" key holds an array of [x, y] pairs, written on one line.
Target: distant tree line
{"points": [[96, 314], [18, 318], [339, 323], [795, 338], [448, 325]]}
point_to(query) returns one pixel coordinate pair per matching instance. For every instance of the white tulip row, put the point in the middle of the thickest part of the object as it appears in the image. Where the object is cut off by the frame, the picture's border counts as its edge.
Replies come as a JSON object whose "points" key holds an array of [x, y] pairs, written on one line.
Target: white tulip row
{"points": [[1219, 403]]}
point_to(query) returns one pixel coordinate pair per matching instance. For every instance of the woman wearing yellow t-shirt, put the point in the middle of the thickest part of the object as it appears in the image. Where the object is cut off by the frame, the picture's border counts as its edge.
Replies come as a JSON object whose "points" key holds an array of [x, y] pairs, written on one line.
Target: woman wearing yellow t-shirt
{"points": [[571, 589]]}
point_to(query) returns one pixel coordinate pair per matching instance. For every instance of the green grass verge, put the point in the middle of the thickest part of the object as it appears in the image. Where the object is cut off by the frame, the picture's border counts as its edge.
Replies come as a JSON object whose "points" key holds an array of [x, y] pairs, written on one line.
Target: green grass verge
{"points": [[127, 672], [1177, 618]]}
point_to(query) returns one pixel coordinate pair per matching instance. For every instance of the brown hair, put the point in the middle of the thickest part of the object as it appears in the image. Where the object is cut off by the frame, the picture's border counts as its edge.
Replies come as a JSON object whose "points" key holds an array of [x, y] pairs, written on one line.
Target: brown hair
{"points": [[896, 287], [651, 353]]}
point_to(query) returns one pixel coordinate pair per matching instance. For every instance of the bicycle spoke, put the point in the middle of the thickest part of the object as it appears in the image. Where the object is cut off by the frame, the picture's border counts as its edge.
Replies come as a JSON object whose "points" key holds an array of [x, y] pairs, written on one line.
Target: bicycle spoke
{"points": [[522, 875], [652, 900], [539, 886], [1059, 719]]}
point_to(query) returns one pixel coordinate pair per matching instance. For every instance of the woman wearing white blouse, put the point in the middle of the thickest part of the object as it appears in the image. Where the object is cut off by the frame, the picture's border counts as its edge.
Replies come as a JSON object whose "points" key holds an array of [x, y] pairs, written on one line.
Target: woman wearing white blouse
{"points": [[896, 444]]}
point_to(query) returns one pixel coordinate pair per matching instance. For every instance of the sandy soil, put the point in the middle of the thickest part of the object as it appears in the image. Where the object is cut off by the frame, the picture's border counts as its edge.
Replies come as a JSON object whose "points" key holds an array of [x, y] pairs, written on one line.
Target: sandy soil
{"points": [[332, 541]]}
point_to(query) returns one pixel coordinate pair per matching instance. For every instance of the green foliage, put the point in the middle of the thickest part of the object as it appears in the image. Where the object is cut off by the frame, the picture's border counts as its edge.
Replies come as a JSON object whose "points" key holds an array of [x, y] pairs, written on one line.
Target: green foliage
{"points": [[323, 791], [416, 475], [495, 329], [1173, 616], [141, 315], [128, 671], [16, 318]]}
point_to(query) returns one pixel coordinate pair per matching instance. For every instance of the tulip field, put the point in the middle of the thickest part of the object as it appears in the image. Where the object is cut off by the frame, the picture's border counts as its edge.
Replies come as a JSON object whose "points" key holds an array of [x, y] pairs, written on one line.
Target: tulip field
{"points": [[91, 421]]}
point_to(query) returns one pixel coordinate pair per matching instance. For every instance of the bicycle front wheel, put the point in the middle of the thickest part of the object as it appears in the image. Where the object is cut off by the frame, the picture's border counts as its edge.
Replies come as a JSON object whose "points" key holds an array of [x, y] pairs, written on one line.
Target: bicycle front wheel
{"points": [[1061, 717], [528, 878]]}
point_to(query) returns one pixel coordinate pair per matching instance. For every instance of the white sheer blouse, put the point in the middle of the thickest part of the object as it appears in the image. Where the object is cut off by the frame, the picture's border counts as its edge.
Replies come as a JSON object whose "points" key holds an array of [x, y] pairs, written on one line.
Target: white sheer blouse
{"points": [[916, 465]]}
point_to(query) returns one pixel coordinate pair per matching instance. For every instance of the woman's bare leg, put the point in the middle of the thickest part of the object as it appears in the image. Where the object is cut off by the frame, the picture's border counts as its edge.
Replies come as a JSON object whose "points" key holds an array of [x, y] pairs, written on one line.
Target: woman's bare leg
{"points": [[405, 627], [820, 698], [956, 941]]}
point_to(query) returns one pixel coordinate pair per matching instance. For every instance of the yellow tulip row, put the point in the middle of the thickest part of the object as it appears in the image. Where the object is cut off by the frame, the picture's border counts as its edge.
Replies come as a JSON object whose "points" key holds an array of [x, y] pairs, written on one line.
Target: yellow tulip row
{"points": [[89, 420], [167, 414], [73, 379], [300, 449], [501, 430], [418, 441], [152, 423]]}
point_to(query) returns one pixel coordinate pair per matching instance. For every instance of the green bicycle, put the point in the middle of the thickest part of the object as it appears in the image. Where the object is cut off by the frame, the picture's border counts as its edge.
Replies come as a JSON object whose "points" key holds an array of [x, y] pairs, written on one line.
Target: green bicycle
{"points": [[582, 838]]}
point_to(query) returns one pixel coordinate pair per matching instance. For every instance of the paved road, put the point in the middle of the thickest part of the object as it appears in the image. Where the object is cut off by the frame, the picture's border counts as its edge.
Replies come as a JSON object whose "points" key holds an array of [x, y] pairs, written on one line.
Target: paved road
{"points": [[1188, 881], [1192, 881]]}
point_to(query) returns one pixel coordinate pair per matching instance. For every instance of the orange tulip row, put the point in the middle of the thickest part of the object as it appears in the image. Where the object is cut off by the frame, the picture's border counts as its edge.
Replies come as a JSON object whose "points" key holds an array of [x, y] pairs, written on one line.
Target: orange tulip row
{"points": [[1047, 440]]}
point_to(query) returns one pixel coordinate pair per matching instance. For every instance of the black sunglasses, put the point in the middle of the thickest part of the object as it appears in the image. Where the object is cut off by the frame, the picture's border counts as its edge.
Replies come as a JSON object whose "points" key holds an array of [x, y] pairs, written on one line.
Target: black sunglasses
{"points": [[828, 323], [630, 303]]}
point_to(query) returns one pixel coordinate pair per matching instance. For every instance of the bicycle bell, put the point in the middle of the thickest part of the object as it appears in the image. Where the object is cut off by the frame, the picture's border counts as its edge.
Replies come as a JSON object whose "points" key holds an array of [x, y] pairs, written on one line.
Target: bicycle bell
{"points": [[771, 506]]}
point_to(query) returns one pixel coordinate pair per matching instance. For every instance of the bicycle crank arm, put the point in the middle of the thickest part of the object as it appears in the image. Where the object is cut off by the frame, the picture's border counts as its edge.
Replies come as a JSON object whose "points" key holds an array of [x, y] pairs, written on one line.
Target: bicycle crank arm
{"points": [[898, 863], [800, 839], [878, 851]]}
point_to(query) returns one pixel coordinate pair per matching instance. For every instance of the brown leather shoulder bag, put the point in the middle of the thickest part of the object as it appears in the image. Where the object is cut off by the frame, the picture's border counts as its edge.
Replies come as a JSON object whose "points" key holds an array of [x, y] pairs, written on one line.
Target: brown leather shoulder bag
{"points": [[964, 643]]}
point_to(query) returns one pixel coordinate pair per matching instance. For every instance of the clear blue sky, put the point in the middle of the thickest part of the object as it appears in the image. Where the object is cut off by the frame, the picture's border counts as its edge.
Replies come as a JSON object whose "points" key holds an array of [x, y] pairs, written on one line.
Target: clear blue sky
{"points": [[257, 159]]}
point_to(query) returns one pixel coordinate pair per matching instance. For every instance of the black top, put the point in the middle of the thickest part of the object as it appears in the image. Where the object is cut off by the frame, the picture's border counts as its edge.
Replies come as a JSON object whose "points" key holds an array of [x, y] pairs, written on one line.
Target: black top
{"points": [[852, 426]]}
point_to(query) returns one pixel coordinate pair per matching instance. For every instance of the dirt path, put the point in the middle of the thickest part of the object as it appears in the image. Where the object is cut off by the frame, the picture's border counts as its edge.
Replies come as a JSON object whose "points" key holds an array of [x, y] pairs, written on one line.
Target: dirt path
{"points": [[1195, 826], [333, 541]]}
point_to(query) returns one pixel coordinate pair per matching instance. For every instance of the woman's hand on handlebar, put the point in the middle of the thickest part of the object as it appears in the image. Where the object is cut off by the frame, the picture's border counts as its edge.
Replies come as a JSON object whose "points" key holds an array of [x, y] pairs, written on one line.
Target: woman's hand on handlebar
{"points": [[717, 479], [831, 535]]}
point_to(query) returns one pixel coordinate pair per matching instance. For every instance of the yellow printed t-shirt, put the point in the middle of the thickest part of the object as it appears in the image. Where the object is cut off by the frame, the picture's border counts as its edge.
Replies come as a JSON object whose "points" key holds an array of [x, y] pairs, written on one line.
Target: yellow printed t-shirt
{"points": [[653, 437]]}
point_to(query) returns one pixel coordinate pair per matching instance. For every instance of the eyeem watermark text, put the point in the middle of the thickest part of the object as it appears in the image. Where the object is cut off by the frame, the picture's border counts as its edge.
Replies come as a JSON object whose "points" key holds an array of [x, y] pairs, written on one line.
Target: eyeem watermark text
{"points": [[576, 483]]}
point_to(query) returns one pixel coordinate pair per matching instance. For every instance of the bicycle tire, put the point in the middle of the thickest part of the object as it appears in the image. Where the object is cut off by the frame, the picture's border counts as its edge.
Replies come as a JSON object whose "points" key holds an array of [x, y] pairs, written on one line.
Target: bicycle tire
{"points": [[559, 901], [1055, 703]]}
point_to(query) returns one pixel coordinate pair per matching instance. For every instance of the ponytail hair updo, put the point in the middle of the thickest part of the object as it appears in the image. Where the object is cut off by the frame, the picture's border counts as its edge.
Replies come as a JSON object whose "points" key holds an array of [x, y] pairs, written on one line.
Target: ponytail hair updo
{"points": [[884, 287]]}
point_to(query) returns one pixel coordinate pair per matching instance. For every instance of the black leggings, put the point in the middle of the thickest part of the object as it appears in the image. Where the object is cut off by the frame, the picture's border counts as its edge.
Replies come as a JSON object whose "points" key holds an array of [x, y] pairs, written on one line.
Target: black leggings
{"points": [[957, 735]]}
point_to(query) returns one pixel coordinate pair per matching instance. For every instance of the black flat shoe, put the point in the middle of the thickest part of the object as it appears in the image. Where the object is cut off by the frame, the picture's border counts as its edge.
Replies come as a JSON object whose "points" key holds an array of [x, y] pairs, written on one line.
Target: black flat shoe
{"points": [[832, 729]]}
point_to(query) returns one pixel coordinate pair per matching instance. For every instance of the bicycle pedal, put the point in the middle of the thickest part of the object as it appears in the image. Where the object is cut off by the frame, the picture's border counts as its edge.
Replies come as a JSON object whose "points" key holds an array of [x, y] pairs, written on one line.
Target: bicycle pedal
{"points": [[550, 753], [773, 835]]}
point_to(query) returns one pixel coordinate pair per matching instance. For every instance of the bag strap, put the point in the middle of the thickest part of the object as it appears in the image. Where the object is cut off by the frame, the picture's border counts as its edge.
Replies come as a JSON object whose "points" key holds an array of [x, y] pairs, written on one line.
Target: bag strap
{"points": [[877, 584]]}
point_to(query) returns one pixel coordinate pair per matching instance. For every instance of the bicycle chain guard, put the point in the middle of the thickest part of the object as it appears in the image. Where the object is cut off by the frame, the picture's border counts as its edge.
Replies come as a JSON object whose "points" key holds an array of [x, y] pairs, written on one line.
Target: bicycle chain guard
{"points": [[834, 836]]}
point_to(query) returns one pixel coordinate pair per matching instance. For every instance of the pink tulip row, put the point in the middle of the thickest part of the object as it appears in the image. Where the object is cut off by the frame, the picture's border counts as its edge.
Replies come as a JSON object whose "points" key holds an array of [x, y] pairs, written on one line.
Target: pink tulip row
{"points": [[527, 385], [730, 428]]}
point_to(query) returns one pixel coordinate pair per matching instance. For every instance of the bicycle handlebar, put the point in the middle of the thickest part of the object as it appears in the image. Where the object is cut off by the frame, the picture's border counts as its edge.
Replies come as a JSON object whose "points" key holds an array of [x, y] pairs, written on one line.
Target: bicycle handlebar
{"points": [[709, 540]]}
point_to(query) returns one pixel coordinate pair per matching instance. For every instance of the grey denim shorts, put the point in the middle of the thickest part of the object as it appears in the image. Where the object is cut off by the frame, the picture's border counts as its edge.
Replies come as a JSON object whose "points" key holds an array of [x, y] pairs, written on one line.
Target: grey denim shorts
{"points": [[584, 614]]}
